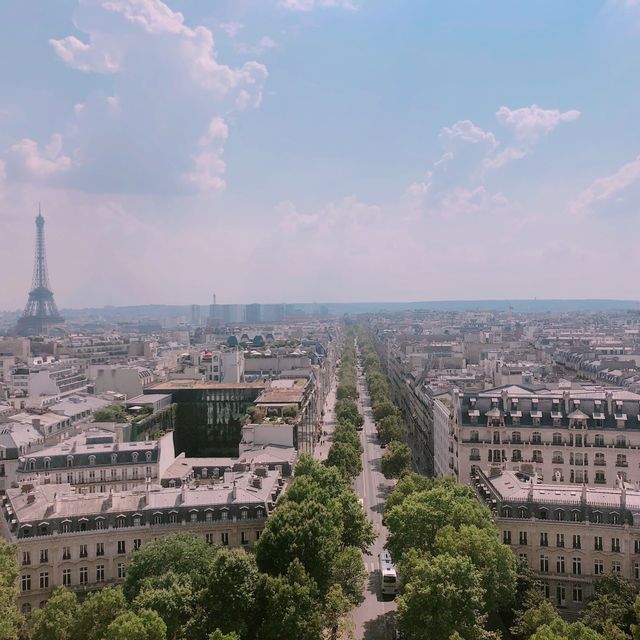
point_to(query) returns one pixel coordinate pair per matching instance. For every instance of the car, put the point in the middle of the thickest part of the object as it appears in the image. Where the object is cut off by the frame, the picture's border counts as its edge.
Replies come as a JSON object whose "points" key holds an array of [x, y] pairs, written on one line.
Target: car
{"points": [[383, 445]]}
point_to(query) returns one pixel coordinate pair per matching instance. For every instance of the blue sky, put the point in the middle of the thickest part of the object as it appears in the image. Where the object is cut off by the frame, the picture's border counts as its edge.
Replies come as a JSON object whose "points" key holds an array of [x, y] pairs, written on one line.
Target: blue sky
{"points": [[338, 150]]}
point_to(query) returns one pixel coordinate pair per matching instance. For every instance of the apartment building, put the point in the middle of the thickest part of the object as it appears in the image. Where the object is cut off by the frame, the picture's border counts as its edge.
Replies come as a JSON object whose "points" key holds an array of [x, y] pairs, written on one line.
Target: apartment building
{"points": [[94, 462], [569, 536], [84, 541], [576, 435]]}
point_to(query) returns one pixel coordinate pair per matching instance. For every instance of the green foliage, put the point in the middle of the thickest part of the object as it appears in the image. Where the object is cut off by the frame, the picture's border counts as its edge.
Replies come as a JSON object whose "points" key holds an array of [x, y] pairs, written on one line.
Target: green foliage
{"points": [[290, 606], [96, 613], [415, 522], [231, 590], [171, 596], [613, 599], [442, 595], [346, 458], [347, 410], [111, 413], [494, 562], [534, 617], [55, 621], [182, 553], [561, 630], [396, 460], [384, 409], [349, 573], [218, 635], [307, 531], [144, 625], [409, 484], [10, 619], [391, 428], [346, 433]]}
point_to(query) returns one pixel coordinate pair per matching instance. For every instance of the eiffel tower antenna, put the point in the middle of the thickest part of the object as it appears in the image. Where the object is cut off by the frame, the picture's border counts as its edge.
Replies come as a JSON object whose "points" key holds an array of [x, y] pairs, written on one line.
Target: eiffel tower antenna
{"points": [[41, 312]]}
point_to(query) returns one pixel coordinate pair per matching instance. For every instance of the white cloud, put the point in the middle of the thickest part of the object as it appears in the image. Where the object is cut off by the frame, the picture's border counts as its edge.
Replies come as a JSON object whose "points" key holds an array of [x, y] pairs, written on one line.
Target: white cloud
{"points": [[529, 123], [309, 5], [501, 158], [152, 132], [231, 28], [467, 131], [608, 188], [262, 46], [26, 159]]}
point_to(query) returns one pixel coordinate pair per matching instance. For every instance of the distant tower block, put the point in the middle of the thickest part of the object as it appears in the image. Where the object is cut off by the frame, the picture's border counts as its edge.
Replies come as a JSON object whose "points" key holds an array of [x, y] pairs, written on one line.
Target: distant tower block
{"points": [[41, 312]]}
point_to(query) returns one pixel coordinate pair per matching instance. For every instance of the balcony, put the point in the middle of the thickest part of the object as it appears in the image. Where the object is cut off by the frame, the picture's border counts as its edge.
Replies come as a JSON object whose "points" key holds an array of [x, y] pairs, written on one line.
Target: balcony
{"points": [[557, 460], [474, 456], [600, 463], [622, 463]]}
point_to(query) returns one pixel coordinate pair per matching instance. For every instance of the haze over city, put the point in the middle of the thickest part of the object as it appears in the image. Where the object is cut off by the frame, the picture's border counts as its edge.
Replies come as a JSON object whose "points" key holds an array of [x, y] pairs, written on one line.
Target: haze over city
{"points": [[329, 150]]}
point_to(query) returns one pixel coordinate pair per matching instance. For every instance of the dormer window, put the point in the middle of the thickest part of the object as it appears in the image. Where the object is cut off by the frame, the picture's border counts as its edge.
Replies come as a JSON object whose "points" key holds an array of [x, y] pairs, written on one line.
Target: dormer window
{"points": [[47, 463], [32, 464], [69, 461], [148, 456], [92, 461], [134, 456]]}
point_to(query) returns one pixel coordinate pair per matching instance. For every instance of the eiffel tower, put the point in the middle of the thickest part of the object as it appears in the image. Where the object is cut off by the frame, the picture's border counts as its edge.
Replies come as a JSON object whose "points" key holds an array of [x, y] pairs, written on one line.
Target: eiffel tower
{"points": [[41, 312]]}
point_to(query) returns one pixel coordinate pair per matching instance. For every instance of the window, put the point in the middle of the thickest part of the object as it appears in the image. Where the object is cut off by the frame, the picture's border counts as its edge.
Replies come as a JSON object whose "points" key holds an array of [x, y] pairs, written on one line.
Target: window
{"points": [[99, 523], [577, 566], [506, 512], [596, 516], [258, 534], [99, 548], [474, 436], [83, 551], [114, 458], [243, 514], [134, 456], [544, 564], [559, 539], [92, 461], [122, 546], [615, 545], [577, 593], [516, 455], [26, 583], [208, 516], [621, 441], [536, 437], [598, 567], [636, 546], [137, 521], [537, 455], [157, 518], [66, 577], [544, 513], [599, 460], [173, 518], [599, 440], [600, 478], [121, 522], [506, 537], [44, 580], [616, 566], [99, 573], [66, 553], [559, 514], [614, 518], [557, 458], [259, 512], [69, 461], [122, 570], [560, 564], [209, 538], [544, 540], [576, 542], [147, 456], [597, 543], [26, 558], [516, 438], [523, 537], [84, 575], [66, 527], [557, 438], [224, 537], [636, 570], [224, 515], [522, 512], [474, 454], [193, 516], [137, 543], [26, 609], [243, 538]]}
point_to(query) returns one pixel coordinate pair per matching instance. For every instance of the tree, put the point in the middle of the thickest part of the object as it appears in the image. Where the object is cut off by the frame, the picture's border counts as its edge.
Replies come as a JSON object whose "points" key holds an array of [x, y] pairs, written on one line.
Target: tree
{"points": [[531, 619], [384, 409], [55, 620], [345, 458], [613, 599], [111, 413], [391, 428], [494, 561], [230, 595], [442, 595], [181, 553], [144, 625], [289, 606], [349, 573], [218, 635], [415, 522], [409, 484], [346, 433], [396, 460], [171, 596], [347, 410], [307, 531], [10, 619], [336, 606], [561, 630], [347, 389], [96, 612]]}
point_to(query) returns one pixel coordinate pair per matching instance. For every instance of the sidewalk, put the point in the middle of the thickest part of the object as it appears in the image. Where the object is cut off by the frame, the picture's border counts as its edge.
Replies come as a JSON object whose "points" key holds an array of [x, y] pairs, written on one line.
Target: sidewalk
{"points": [[321, 450]]}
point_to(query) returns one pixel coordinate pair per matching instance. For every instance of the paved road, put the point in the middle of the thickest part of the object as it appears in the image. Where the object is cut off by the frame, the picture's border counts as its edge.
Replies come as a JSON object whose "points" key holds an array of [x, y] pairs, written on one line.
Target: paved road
{"points": [[373, 619]]}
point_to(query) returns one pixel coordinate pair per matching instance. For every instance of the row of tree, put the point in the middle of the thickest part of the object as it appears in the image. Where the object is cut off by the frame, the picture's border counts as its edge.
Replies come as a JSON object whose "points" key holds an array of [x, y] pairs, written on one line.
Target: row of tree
{"points": [[396, 460]]}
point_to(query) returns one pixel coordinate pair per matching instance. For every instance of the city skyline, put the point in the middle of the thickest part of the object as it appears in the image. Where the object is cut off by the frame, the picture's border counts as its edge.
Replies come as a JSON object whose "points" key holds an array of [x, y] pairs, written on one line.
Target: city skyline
{"points": [[345, 151]]}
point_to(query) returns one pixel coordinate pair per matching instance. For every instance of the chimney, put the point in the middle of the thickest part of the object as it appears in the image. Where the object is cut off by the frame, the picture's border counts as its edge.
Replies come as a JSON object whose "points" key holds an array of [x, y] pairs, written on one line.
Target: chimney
{"points": [[183, 492], [35, 423], [609, 397], [55, 503], [623, 494], [147, 489], [234, 491]]}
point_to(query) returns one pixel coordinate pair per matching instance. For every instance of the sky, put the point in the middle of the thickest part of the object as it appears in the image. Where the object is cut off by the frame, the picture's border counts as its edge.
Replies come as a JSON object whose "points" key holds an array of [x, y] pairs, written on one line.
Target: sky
{"points": [[320, 150]]}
